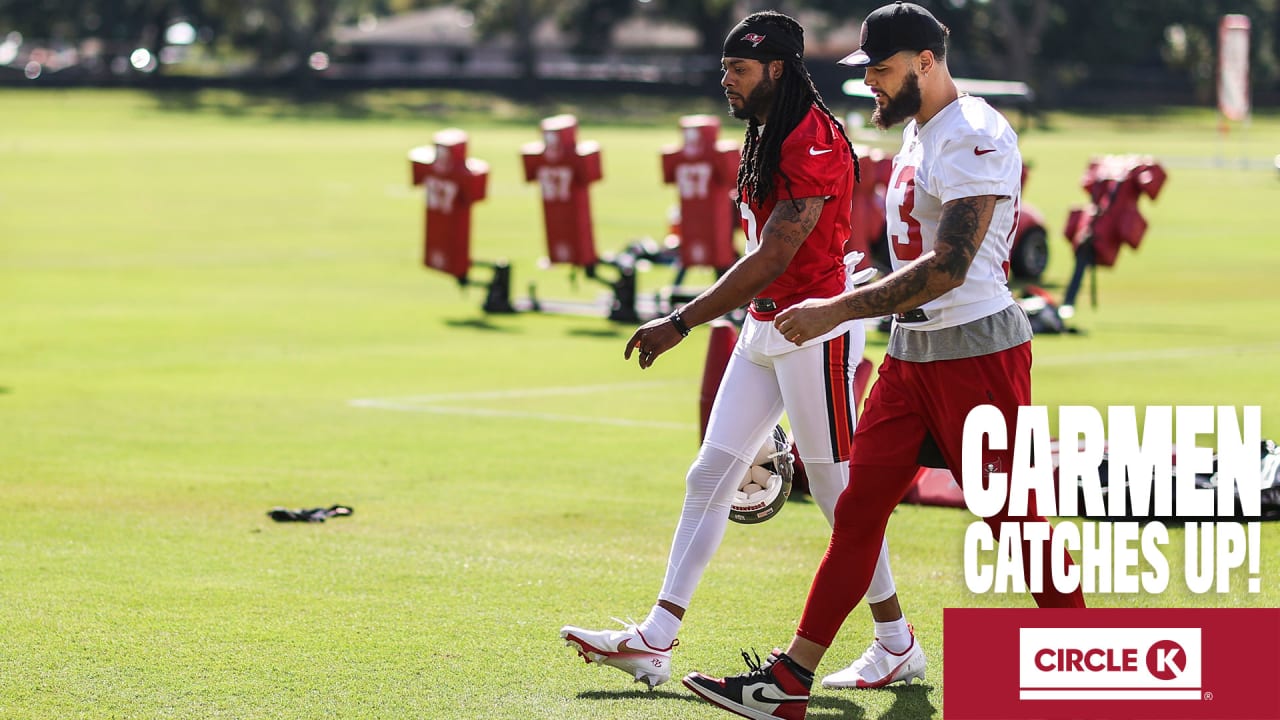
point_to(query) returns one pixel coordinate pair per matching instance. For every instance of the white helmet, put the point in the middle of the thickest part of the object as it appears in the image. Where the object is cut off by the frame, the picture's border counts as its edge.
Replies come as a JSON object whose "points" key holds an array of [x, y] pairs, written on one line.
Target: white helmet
{"points": [[767, 484]]}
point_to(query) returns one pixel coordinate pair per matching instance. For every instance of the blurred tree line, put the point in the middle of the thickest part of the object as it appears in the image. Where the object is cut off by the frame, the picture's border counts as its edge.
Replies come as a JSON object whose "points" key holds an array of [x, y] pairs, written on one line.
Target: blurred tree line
{"points": [[1055, 45]]}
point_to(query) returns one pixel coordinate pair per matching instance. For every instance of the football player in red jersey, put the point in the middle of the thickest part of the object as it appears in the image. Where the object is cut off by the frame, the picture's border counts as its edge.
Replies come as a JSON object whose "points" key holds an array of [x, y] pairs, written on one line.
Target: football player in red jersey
{"points": [[958, 341], [795, 184]]}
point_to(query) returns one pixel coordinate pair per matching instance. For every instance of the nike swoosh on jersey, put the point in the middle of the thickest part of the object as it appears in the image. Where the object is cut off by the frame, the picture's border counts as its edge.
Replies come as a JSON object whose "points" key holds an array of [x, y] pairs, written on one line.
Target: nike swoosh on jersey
{"points": [[758, 694], [976, 151], [816, 151]]}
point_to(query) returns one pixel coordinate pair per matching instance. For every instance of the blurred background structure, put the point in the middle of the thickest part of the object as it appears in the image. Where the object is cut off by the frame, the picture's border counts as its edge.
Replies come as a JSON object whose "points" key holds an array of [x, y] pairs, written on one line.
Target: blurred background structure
{"points": [[1072, 54]]}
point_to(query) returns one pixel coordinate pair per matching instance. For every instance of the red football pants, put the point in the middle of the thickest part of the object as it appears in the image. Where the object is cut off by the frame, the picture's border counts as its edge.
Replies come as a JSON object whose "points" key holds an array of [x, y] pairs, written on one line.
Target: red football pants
{"points": [[907, 401]]}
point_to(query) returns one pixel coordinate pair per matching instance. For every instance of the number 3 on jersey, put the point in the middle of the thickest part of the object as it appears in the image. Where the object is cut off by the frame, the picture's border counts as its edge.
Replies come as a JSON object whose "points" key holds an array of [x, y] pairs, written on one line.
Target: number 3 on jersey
{"points": [[909, 246]]}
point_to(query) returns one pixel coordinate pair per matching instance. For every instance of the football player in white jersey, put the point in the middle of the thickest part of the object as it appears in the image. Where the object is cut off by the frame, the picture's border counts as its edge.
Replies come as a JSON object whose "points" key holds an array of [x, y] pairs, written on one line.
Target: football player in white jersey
{"points": [[958, 341]]}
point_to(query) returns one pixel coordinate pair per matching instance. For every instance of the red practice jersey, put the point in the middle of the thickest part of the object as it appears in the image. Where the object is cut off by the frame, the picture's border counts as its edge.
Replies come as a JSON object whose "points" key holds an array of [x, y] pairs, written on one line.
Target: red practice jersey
{"points": [[815, 162]]}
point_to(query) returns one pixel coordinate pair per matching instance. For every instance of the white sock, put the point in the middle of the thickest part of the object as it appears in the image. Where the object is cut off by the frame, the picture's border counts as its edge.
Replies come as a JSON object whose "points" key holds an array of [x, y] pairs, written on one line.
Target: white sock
{"points": [[660, 628], [894, 635]]}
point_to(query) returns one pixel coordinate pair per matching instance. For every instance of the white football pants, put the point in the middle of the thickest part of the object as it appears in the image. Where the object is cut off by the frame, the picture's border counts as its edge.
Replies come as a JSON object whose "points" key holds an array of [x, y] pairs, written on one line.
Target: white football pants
{"points": [[765, 376]]}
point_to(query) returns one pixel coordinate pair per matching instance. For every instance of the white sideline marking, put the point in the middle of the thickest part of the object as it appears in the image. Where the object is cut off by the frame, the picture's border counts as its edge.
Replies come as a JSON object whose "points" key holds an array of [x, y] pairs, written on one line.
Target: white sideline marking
{"points": [[431, 404], [1163, 354], [525, 392]]}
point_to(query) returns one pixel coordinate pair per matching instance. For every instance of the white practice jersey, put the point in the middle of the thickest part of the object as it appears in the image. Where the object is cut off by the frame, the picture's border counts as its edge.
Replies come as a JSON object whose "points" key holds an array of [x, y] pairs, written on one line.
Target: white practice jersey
{"points": [[967, 149]]}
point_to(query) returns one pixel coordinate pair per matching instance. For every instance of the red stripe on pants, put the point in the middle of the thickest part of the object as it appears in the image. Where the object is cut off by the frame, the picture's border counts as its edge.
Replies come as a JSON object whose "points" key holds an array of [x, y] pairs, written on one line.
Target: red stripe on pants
{"points": [[839, 404]]}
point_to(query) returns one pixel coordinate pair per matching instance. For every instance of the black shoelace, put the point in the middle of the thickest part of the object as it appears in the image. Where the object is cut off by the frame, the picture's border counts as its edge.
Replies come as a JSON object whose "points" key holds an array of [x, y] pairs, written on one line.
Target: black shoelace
{"points": [[758, 667], [755, 665]]}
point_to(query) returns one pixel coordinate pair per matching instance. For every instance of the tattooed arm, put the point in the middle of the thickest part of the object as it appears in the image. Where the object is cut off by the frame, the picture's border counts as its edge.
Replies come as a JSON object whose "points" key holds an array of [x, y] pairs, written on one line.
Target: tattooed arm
{"points": [[784, 232], [960, 231]]}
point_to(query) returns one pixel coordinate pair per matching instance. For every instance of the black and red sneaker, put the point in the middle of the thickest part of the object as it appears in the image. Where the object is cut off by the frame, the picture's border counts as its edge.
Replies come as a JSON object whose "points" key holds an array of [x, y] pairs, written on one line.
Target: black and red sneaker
{"points": [[776, 688]]}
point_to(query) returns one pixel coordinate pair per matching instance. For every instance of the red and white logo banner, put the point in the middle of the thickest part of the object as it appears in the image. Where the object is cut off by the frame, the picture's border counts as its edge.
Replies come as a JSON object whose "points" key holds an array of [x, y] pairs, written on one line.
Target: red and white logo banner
{"points": [[1156, 663]]}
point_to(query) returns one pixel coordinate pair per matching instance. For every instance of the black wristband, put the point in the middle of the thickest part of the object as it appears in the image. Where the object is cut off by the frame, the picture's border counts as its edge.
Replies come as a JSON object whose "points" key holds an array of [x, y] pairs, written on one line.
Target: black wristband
{"points": [[678, 323]]}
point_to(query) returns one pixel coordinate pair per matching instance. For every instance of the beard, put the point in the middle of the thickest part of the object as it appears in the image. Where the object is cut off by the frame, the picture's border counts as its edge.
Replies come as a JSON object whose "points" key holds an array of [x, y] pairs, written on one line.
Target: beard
{"points": [[901, 106], [760, 98]]}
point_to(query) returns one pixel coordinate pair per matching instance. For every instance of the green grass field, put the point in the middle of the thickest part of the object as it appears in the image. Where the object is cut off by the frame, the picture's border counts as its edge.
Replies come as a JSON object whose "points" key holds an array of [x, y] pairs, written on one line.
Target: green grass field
{"points": [[195, 290]]}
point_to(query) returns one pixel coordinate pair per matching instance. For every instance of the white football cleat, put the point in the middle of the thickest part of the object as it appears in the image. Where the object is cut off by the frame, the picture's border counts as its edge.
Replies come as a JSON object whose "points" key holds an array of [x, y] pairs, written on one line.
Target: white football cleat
{"points": [[879, 667], [624, 649]]}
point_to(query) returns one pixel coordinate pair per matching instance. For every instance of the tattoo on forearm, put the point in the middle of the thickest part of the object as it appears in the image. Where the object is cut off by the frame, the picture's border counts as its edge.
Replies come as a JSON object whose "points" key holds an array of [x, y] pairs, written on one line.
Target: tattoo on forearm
{"points": [[960, 232], [890, 297]]}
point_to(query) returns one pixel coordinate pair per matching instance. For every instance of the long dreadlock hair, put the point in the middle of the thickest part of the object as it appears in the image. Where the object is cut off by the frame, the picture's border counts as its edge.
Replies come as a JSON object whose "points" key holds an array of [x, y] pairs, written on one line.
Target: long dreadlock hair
{"points": [[762, 152]]}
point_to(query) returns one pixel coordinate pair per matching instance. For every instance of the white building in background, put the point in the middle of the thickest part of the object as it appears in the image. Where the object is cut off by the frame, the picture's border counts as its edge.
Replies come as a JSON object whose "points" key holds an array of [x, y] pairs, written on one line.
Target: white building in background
{"points": [[443, 42]]}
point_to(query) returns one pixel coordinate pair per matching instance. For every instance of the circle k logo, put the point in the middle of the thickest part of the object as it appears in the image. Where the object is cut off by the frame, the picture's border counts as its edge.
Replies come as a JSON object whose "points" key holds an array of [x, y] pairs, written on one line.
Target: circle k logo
{"points": [[1103, 663], [1166, 660]]}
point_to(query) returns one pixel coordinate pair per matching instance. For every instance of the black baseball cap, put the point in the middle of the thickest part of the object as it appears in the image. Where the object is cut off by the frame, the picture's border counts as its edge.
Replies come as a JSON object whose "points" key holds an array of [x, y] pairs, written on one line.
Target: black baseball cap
{"points": [[893, 28]]}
